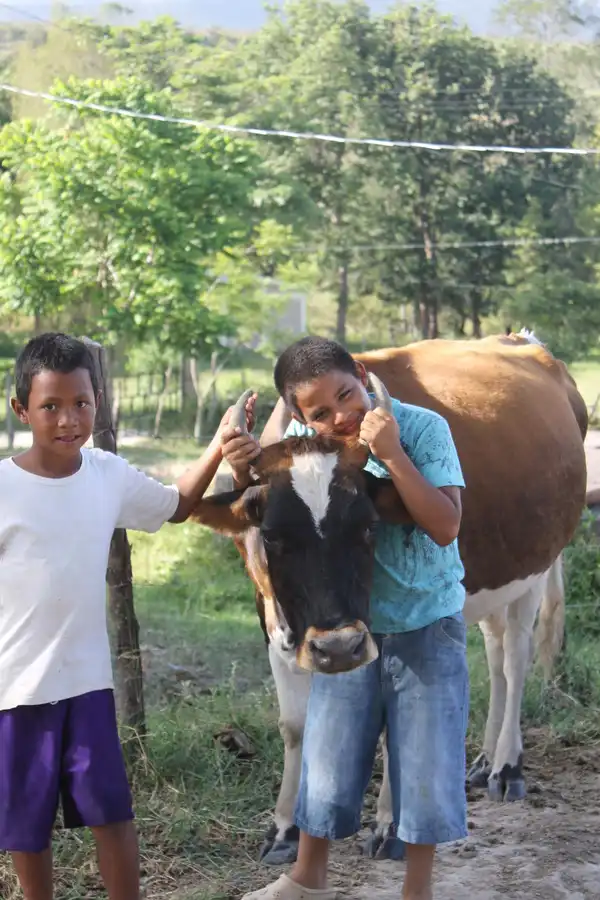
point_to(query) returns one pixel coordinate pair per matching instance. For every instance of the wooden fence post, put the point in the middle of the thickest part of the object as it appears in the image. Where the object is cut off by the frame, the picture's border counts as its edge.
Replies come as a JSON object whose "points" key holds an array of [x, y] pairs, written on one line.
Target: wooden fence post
{"points": [[125, 627], [10, 422]]}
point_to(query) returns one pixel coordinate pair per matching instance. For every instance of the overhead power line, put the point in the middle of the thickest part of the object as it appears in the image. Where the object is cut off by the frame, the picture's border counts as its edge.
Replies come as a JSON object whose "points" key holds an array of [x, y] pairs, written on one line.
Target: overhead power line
{"points": [[297, 135], [454, 245], [35, 18]]}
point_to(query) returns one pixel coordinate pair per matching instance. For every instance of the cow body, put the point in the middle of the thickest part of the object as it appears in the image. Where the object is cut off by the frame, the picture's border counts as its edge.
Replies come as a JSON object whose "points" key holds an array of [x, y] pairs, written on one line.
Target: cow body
{"points": [[518, 423]]}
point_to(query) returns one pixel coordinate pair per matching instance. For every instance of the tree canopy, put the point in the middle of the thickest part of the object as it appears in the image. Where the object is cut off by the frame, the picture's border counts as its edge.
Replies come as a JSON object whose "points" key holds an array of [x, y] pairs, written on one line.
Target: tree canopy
{"points": [[162, 231]]}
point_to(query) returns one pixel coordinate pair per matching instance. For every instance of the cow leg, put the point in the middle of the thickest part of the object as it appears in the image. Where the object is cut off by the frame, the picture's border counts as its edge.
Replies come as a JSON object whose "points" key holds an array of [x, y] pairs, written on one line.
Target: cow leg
{"points": [[506, 781], [383, 843], [493, 629], [280, 846]]}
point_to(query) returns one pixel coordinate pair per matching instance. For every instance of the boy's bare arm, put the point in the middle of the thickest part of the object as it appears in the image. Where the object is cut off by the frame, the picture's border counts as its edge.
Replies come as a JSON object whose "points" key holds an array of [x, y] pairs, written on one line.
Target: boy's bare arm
{"points": [[195, 481], [437, 511]]}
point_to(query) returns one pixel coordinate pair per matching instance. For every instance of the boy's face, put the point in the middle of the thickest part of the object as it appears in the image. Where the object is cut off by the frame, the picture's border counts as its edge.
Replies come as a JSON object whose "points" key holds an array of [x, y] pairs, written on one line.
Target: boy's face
{"points": [[334, 403], [61, 411]]}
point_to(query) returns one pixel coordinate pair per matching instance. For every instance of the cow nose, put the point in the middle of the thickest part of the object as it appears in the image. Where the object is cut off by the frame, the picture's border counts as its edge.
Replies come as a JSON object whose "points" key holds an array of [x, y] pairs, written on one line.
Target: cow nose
{"points": [[337, 651]]}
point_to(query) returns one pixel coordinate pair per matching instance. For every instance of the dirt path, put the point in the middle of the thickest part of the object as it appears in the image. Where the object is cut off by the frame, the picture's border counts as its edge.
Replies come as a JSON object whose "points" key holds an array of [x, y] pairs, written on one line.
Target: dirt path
{"points": [[545, 848], [592, 452]]}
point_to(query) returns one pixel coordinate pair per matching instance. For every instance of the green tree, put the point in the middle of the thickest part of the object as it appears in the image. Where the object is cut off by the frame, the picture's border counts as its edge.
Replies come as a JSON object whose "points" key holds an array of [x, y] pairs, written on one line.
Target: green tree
{"points": [[159, 52], [323, 66], [554, 291], [307, 69], [115, 221], [547, 20], [440, 83], [52, 54]]}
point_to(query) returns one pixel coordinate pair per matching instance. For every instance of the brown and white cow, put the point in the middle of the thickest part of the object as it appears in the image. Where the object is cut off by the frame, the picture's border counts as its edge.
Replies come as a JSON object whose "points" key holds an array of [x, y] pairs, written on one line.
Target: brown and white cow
{"points": [[305, 532]]}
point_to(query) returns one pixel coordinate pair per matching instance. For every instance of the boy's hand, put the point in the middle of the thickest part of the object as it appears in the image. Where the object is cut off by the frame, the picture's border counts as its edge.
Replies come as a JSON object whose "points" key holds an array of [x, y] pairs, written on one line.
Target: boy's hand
{"points": [[237, 448], [380, 431]]}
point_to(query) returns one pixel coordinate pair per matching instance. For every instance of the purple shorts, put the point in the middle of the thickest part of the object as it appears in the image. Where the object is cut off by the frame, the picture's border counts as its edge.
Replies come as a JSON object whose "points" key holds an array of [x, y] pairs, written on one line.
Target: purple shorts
{"points": [[68, 751]]}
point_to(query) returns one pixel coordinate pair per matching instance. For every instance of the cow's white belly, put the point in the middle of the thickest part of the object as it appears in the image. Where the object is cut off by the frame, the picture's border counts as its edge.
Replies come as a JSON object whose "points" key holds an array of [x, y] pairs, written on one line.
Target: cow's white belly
{"points": [[485, 603]]}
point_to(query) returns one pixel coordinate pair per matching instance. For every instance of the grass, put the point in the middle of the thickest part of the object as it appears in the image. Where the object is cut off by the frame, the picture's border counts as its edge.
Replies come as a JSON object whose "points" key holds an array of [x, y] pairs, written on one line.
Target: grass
{"points": [[196, 603], [202, 810], [161, 458]]}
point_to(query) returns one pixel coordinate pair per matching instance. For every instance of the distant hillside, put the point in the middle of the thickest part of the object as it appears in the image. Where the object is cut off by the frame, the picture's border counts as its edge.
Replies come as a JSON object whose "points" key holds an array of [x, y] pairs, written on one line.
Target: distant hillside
{"points": [[238, 14]]}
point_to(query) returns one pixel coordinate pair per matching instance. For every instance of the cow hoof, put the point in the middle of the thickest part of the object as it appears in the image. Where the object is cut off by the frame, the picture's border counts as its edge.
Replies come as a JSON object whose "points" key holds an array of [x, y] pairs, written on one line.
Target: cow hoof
{"points": [[515, 790], [503, 789], [496, 788], [383, 843], [479, 773], [283, 852]]}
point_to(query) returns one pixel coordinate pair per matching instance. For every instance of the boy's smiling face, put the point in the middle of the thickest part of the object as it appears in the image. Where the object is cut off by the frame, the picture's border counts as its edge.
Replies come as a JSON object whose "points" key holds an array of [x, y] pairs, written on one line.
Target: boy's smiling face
{"points": [[334, 403], [60, 412]]}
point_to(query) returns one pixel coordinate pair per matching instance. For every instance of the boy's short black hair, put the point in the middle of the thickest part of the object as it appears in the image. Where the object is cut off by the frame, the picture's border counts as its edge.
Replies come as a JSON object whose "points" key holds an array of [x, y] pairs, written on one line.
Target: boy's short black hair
{"points": [[307, 359], [53, 352]]}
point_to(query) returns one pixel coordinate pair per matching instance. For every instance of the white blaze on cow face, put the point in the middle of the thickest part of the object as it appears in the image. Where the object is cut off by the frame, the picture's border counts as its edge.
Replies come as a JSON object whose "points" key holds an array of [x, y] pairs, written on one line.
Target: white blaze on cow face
{"points": [[312, 474]]}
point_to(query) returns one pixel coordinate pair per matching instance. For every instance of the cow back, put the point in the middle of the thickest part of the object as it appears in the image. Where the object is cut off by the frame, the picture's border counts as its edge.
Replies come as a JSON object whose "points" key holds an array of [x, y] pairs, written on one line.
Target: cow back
{"points": [[518, 422]]}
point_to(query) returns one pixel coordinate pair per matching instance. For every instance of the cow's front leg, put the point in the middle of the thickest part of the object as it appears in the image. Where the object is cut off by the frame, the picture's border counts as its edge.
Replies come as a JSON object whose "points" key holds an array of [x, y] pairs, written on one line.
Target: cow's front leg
{"points": [[280, 846], [383, 842], [506, 781]]}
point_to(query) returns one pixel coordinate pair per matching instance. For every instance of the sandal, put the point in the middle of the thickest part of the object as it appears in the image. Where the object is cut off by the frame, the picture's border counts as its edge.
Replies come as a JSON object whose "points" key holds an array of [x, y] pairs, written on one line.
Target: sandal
{"points": [[286, 889]]}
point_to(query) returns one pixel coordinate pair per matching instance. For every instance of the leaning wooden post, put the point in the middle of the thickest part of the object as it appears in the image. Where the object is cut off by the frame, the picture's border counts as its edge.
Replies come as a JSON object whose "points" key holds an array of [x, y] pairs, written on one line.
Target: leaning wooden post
{"points": [[125, 627]]}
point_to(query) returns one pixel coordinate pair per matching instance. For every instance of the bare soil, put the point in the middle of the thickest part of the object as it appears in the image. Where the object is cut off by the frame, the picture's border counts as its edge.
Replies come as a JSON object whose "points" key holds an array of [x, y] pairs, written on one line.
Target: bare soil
{"points": [[592, 453], [544, 848]]}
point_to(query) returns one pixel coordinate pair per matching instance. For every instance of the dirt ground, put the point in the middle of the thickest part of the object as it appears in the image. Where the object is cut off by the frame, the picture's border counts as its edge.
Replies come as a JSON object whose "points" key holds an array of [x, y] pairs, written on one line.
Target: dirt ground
{"points": [[592, 452], [544, 848]]}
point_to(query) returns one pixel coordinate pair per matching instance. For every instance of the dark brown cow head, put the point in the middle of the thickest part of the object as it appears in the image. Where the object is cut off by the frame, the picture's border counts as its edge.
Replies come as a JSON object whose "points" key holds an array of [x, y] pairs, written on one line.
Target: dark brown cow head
{"points": [[307, 527]]}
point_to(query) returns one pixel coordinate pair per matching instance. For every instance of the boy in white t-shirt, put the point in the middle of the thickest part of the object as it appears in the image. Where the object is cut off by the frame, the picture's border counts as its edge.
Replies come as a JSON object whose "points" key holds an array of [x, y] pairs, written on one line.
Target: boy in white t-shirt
{"points": [[60, 504]]}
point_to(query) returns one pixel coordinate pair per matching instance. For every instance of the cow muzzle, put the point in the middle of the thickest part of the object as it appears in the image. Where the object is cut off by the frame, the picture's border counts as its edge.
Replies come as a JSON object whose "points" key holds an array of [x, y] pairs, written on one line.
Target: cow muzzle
{"points": [[337, 650]]}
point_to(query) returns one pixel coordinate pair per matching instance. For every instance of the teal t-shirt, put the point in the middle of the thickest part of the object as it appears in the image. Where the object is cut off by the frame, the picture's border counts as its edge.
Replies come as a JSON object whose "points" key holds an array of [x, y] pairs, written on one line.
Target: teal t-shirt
{"points": [[415, 581]]}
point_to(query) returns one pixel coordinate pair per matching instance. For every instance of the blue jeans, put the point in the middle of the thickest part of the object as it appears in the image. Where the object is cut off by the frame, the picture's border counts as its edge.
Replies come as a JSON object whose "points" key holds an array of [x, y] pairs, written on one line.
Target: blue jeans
{"points": [[418, 689]]}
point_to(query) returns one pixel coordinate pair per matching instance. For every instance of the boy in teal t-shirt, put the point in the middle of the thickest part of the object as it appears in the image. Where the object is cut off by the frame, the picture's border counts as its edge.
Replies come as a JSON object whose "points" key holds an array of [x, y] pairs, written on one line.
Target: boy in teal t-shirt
{"points": [[418, 687], [415, 580]]}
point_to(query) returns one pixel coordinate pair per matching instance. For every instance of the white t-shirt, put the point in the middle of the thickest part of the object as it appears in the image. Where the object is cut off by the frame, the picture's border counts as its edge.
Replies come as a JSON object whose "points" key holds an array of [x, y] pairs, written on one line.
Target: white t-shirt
{"points": [[54, 541]]}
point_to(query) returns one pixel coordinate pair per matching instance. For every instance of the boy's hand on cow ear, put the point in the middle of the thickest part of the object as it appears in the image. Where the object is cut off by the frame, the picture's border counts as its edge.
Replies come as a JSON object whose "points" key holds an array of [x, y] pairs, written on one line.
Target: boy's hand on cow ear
{"points": [[381, 432]]}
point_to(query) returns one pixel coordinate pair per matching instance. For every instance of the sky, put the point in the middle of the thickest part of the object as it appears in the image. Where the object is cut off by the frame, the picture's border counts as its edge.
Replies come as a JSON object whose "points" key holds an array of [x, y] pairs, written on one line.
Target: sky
{"points": [[238, 14]]}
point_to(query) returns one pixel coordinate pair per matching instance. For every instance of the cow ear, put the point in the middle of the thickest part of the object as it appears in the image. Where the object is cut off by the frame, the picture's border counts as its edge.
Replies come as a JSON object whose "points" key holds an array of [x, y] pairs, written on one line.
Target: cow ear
{"points": [[234, 511], [387, 501]]}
